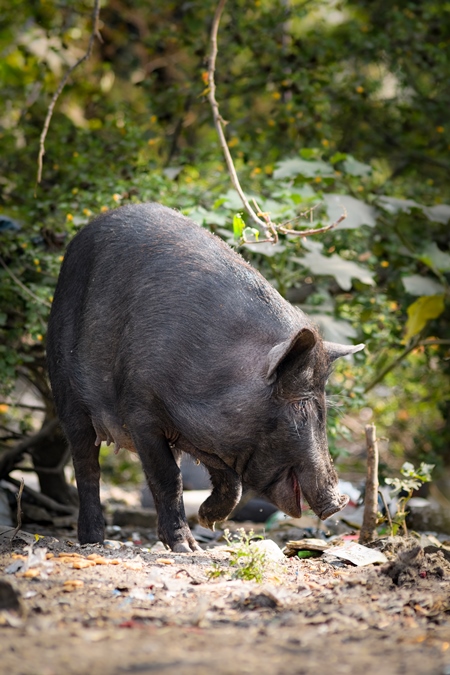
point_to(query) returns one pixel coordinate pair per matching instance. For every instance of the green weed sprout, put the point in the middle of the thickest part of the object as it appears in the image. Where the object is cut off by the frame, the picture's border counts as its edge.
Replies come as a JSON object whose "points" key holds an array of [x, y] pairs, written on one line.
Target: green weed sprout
{"points": [[248, 561], [412, 480]]}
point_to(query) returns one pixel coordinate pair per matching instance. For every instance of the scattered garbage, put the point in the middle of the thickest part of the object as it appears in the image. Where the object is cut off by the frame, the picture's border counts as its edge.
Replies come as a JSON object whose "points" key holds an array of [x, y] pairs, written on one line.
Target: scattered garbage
{"points": [[271, 550], [312, 546], [112, 544], [357, 554]]}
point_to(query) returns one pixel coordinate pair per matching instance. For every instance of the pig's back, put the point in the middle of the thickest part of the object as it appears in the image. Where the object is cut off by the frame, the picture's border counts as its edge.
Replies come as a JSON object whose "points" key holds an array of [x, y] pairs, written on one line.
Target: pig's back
{"points": [[145, 292]]}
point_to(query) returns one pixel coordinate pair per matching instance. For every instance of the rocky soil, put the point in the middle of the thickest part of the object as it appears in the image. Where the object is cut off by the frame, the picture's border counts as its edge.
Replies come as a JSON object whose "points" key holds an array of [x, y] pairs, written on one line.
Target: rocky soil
{"points": [[66, 609]]}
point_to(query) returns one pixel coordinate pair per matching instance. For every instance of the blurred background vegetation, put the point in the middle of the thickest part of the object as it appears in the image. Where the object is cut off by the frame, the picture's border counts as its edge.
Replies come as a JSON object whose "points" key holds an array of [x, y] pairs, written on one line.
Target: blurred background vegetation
{"points": [[330, 104]]}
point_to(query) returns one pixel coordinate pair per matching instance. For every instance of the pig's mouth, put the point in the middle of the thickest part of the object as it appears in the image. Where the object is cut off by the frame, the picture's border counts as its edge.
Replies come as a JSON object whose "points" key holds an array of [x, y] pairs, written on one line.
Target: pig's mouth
{"points": [[297, 490], [287, 494]]}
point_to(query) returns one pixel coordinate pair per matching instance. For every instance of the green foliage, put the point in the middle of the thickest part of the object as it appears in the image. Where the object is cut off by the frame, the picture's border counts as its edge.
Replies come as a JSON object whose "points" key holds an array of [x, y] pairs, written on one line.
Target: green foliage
{"points": [[123, 468], [411, 481], [249, 562], [343, 107]]}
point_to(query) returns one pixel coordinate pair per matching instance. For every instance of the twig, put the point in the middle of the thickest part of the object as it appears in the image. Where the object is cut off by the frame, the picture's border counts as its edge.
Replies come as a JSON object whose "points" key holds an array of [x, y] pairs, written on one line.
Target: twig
{"points": [[417, 342], [12, 404], [218, 120], [62, 84], [388, 513], [19, 510], [371, 496], [43, 499], [308, 233], [269, 228], [392, 365], [21, 285]]}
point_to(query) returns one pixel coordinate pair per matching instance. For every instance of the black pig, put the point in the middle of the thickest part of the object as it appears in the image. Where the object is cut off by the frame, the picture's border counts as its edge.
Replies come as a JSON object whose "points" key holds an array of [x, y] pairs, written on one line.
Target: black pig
{"points": [[161, 340]]}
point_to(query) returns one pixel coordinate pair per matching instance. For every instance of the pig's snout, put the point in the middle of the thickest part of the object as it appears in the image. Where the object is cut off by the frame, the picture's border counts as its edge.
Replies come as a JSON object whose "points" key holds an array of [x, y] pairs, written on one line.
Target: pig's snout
{"points": [[333, 507]]}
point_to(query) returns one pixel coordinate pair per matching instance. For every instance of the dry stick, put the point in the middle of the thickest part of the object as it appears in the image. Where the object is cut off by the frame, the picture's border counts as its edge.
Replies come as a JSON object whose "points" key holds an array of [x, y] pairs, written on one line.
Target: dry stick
{"points": [[308, 233], [269, 228], [388, 513], [62, 84], [44, 500], [19, 510], [13, 404], [416, 342], [218, 120], [371, 496]]}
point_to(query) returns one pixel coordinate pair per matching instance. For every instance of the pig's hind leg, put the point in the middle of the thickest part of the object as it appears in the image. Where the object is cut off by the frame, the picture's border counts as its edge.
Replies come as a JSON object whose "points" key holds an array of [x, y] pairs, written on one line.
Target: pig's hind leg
{"points": [[165, 482], [82, 439]]}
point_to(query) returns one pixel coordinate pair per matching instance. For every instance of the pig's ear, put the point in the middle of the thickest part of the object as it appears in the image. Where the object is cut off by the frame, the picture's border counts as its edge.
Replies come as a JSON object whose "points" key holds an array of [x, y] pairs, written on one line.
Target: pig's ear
{"points": [[298, 344], [335, 351]]}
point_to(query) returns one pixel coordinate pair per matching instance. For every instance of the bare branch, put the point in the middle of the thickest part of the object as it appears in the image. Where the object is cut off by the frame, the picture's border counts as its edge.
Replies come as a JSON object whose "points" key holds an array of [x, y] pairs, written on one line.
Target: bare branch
{"points": [[218, 121], [12, 404], [386, 508], [21, 285], [62, 84], [319, 230], [371, 498], [261, 219], [48, 502]]}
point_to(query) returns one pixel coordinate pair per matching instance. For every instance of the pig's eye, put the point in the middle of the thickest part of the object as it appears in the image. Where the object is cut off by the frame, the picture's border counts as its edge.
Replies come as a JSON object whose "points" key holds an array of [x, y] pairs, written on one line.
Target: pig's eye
{"points": [[300, 406]]}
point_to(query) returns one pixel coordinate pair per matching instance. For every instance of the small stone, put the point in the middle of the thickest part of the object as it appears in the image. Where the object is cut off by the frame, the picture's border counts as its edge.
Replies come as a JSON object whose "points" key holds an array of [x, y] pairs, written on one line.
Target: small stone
{"points": [[112, 544], [271, 550]]}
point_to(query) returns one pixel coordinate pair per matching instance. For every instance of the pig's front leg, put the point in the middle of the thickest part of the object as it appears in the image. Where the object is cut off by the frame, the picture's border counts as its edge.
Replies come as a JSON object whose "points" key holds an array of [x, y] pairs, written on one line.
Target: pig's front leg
{"points": [[164, 480], [227, 490]]}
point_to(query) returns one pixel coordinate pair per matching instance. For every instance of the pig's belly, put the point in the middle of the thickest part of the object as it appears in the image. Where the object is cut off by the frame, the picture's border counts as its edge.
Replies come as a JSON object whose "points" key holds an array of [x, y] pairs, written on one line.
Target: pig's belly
{"points": [[108, 430]]}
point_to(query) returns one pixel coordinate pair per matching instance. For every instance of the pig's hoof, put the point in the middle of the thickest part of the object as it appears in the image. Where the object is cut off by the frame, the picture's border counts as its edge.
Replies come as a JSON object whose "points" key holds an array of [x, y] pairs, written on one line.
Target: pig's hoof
{"points": [[205, 522], [184, 547]]}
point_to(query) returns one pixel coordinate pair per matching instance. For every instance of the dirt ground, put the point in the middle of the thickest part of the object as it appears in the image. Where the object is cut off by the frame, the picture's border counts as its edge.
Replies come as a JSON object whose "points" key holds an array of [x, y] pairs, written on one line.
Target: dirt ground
{"points": [[75, 610]]}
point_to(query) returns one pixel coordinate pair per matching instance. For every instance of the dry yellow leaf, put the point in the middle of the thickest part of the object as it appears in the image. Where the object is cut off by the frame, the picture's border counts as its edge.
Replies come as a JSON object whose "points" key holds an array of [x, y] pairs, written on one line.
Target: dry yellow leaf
{"points": [[164, 561], [133, 565], [81, 564], [32, 573], [77, 583]]}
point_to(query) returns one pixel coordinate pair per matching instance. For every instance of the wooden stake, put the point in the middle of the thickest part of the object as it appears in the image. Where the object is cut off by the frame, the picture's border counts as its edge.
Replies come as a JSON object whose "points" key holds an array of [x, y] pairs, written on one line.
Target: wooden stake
{"points": [[371, 498]]}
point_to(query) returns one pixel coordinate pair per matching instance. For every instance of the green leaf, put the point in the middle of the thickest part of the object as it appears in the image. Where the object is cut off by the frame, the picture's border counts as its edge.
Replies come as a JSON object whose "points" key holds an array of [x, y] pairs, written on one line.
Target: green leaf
{"points": [[334, 330], [250, 233], [434, 258], [219, 202], [342, 270], [415, 284], [309, 153], [421, 311], [289, 168], [358, 212], [394, 205], [238, 226], [338, 157], [355, 168]]}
